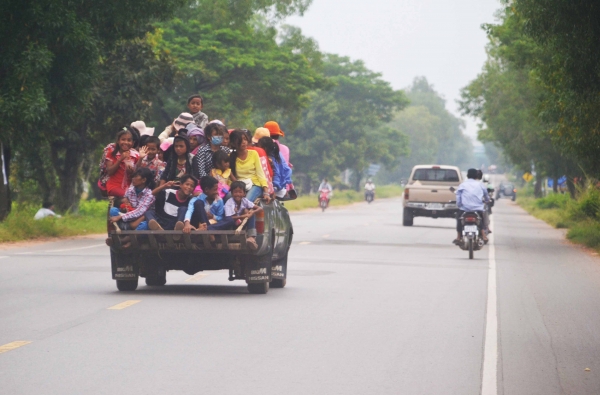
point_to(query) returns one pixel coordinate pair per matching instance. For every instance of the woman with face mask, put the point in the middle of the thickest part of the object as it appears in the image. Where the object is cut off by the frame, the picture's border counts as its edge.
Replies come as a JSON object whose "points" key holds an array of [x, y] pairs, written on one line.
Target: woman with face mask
{"points": [[203, 160]]}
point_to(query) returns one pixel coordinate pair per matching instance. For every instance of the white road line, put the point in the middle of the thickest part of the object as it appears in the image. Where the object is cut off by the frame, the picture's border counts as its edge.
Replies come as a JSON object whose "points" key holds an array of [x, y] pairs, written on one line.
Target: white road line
{"points": [[489, 383], [4, 256], [77, 248]]}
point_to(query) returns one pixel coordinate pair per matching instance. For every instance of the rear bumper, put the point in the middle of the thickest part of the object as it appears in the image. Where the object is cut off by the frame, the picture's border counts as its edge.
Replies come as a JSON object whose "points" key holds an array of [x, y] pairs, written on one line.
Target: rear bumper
{"points": [[438, 213]]}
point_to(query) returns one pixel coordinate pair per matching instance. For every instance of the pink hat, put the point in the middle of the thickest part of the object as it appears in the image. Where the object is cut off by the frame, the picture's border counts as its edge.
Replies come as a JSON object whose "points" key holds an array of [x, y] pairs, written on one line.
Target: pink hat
{"points": [[165, 145], [141, 127]]}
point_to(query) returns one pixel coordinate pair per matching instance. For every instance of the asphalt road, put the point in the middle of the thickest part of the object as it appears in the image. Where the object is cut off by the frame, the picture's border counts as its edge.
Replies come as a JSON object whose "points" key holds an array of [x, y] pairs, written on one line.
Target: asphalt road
{"points": [[371, 307]]}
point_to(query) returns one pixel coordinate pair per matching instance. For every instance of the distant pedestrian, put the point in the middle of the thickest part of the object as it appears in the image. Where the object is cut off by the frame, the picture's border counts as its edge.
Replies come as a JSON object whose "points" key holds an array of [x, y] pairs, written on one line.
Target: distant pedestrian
{"points": [[47, 210]]}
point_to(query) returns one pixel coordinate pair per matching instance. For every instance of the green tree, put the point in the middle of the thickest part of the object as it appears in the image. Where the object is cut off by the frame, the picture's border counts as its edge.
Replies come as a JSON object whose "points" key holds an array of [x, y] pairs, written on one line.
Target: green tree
{"points": [[344, 126], [236, 70], [50, 64], [434, 134], [507, 97]]}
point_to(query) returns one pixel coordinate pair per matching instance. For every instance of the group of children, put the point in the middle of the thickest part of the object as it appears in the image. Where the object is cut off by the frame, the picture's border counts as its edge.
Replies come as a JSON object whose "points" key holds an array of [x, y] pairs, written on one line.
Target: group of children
{"points": [[196, 175]]}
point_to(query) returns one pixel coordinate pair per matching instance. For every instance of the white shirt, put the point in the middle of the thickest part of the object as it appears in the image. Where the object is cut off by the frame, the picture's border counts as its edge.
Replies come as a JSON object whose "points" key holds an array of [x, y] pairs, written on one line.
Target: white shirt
{"points": [[45, 212], [369, 186]]}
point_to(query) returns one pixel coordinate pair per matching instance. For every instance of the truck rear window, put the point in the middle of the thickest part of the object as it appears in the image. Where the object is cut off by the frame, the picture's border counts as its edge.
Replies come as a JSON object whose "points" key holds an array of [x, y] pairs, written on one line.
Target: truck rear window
{"points": [[447, 175]]}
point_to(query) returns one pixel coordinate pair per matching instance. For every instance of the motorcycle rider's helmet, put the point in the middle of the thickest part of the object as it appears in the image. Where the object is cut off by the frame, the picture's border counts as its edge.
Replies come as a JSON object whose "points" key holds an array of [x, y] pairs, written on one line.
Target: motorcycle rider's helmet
{"points": [[486, 178]]}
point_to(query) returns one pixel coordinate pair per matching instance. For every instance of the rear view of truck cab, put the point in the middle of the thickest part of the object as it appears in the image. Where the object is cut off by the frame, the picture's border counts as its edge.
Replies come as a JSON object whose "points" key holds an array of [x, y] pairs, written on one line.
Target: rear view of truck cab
{"points": [[430, 193]]}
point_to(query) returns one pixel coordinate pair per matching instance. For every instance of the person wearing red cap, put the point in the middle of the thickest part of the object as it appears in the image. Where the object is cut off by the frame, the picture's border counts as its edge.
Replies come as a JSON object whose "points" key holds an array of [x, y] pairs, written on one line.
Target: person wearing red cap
{"points": [[276, 132]]}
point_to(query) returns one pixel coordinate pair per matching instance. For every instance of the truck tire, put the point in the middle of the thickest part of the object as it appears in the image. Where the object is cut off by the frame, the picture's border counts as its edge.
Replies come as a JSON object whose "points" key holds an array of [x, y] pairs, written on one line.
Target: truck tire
{"points": [[407, 218], [127, 285], [156, 281], [258, 288]]}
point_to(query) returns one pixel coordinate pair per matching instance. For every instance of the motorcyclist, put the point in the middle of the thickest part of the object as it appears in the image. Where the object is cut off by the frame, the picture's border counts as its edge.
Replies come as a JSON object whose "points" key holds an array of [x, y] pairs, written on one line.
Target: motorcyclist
{"points": [[470, 197], [369, 188], [484, 180], [326, 186]]}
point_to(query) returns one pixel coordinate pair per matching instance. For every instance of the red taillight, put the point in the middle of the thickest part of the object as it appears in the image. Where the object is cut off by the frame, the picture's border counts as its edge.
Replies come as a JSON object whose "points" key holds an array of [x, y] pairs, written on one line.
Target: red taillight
{"points": [[470, 219], [406, 193], [260, 222]]}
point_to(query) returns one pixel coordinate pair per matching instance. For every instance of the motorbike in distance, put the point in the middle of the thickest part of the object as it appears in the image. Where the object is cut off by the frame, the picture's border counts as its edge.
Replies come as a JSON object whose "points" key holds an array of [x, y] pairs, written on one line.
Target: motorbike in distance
{"points": [[369, 196], [324, 198]]}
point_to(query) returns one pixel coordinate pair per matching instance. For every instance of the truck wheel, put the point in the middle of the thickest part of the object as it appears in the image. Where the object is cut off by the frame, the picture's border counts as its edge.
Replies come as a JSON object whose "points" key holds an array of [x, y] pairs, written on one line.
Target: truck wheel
{"points": [[407, 218], [278, 283], [127, 285], [258, 288], [156, 281]]}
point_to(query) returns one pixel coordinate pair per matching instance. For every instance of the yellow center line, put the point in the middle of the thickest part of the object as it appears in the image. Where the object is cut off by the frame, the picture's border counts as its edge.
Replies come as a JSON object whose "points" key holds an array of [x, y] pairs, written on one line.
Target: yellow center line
{"points": [[196, 277], [303, 243], [11, 346], [124, 305]]}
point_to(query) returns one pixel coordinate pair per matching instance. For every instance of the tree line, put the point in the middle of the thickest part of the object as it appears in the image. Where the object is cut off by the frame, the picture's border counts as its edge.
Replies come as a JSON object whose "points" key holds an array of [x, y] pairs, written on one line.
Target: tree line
{"points": [[73, 73], [537, 96]]}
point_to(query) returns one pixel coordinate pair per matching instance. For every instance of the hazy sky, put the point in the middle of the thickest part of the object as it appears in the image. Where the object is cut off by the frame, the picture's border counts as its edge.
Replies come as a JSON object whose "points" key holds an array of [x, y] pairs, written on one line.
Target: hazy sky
{"points": [[439, 39]]}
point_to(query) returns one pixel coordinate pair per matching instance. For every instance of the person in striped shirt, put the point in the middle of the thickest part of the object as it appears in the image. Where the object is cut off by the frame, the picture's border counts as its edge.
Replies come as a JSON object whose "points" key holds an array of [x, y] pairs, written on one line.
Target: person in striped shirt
{"points": [[140, 197]]}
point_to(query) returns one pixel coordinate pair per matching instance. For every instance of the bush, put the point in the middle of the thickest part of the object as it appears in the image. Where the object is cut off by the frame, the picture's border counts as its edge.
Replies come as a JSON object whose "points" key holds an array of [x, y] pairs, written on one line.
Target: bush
{"points": [[554, 200], [587, 205]]}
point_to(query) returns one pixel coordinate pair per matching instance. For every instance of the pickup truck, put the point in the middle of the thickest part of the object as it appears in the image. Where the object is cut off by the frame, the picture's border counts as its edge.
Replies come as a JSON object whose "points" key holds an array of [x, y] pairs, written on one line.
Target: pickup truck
{"points": [[428, 193], [152, 253]]}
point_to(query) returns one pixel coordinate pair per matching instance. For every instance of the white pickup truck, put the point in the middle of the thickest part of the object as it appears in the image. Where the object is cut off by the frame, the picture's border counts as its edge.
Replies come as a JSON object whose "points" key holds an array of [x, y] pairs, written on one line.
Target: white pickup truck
{"points": [[428, 192]]}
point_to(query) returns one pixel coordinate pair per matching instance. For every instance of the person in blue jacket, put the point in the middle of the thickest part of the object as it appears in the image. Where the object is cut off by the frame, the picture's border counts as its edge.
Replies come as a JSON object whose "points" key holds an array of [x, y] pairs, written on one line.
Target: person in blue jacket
{"points": [[206, 211], [282, 173]]}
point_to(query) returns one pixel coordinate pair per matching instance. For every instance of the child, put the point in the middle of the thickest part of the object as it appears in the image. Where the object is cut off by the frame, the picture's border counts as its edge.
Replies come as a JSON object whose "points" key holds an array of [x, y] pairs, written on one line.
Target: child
{"points": [[139, 197], [125, 206], [196, 137], [179, 160], [282, 174], [222, 172], [120, 163], [171, 204], [149, 158], [207, 210], [195, 105], [239, 208]]}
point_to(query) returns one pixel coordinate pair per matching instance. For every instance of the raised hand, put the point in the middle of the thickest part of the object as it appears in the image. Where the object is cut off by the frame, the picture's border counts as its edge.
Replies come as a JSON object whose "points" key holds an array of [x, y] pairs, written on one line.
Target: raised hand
{"points": [[143, 152]]}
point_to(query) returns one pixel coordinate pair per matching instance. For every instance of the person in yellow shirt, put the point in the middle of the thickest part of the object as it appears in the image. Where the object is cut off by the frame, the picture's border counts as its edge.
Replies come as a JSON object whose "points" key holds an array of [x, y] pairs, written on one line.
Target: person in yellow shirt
{"points": [[246, 167]]}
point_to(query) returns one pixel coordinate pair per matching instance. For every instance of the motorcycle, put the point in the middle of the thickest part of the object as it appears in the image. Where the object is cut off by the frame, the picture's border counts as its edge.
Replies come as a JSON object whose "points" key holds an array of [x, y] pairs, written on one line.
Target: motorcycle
{"points": [[324, 198], [369, 196], [471, 241]]}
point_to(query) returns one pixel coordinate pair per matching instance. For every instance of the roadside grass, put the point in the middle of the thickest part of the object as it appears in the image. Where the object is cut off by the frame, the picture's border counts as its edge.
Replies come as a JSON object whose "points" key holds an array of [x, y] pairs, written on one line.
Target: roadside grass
{"points": [[91, 219], [20, 225], [342, 198], [580, 216]]}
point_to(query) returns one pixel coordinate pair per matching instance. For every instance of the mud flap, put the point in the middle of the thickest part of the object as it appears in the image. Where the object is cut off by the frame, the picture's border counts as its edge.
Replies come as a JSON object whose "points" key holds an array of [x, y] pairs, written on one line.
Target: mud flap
{"points": [[258, 270], [279, 269], [124, 267]]}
